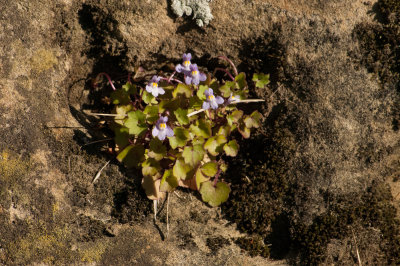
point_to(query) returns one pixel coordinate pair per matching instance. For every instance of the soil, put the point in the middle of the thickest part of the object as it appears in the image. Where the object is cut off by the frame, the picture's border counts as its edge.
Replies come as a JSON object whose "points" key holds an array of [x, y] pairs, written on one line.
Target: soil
{"points": [[316, 184]]}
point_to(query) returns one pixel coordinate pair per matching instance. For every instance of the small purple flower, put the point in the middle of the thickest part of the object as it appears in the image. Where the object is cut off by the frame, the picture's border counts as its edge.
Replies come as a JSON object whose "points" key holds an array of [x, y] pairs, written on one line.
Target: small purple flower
{"points": [[161, 130], [185, 67], [233, 98], [153, 88], [211, 100], [194, 76]]}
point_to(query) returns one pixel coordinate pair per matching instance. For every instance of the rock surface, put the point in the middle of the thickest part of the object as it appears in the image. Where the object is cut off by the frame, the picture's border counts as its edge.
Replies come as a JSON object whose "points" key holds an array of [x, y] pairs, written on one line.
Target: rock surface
{"points": [[326, 157]]}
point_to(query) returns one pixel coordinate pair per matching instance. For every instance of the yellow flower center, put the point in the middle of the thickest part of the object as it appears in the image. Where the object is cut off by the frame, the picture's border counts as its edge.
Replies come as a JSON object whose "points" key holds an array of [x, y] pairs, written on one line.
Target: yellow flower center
{"points": [[211, 97], [186, 63], [194, 72], [162, 126], [155, 85]]}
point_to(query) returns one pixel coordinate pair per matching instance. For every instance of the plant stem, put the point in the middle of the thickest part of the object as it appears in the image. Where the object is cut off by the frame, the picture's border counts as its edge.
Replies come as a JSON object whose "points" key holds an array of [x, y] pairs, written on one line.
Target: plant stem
{"points": [[108, 77], [230, 62], [224, 70], [234, 102]]}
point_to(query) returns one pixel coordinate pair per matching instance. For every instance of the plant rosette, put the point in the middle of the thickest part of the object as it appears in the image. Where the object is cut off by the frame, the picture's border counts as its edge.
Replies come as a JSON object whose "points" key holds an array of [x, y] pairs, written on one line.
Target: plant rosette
{"points": [[177, 131]]}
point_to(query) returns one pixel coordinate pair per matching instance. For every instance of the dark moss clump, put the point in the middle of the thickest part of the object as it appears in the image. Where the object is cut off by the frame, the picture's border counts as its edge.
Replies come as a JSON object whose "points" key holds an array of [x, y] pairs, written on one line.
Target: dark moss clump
{"points": [[259, 177], [373, 210], [216, 243], [254, 245], [388, 11]]}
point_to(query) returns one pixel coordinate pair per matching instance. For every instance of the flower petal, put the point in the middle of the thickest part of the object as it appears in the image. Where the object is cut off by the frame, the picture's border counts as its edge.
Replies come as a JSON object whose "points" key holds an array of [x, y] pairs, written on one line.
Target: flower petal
{"points": [[155, 131], [170, 132], [179, 68], [209, 92], [164, 119], [161, 134], [193, 67], [187, 57], [214, 104], [161, 91], [188, 80], [154, 79], [155, 93], [206, 106], [202, 77], [149, 88], [195, 80], [219, 100]]}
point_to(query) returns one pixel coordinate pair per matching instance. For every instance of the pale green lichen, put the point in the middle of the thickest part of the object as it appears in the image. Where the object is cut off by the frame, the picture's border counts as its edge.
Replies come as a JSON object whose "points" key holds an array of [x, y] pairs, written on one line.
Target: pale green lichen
{"points": [[199, 8]]}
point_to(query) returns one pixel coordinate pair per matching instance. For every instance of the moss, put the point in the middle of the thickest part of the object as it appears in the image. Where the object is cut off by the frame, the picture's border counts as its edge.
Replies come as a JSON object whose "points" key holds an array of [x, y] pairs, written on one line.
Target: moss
{"points": [[259, 177], [216, 243], [374, 210], [41, 244], [254, 245], [93, 252], [43, 60]]}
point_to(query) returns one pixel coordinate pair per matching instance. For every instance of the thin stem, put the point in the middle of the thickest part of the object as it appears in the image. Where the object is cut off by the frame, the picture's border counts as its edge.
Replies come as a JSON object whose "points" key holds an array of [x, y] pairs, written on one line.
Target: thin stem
{"points": [[224, 70], [216, 177], [230, 62], [97, 141], [169, 80], [101, 114], [167, 214], [108, 77], [234, 102], [99, 172]]}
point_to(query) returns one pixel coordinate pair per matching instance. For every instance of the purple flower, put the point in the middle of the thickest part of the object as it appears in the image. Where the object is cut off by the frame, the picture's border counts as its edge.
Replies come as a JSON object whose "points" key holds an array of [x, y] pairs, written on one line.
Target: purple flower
{"points": [[194, 76], [233, 98], [153, 88], [161, 130], [211, 100], [185, 67]]}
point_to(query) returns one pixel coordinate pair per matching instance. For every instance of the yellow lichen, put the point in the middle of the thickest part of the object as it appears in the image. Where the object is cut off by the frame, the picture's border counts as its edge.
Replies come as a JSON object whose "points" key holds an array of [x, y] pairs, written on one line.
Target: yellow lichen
{"points": [[43, 60], [94, 252]]}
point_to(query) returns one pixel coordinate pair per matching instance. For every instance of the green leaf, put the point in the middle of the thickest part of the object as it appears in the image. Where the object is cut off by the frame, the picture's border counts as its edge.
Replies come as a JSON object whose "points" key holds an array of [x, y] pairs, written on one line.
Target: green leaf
{"points": [[201, 128], [198, 140], [152, 187], [150, 167], [120, 97], [214, 144], [243, 130], [224, 130], [181, 116], [214, 195], [136, 123], [148, 98], [151, 112], [182, 89], [121, 136], [200, 178], [157, 149], [234, 117], [231, 148], [193, 155], [257, 116], [253, 120], [225, 89], [181, 169], [181, 136], [121, 112], [209, 169], [131, 156], [261, 80], [241, 81], [129, 88], [200, 92], [170, 105], [168, 182]]}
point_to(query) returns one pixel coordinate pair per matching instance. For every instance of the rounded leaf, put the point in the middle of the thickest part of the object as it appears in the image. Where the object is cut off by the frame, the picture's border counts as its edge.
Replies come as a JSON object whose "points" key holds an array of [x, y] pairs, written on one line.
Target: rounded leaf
{"points": [[214, 195]]}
